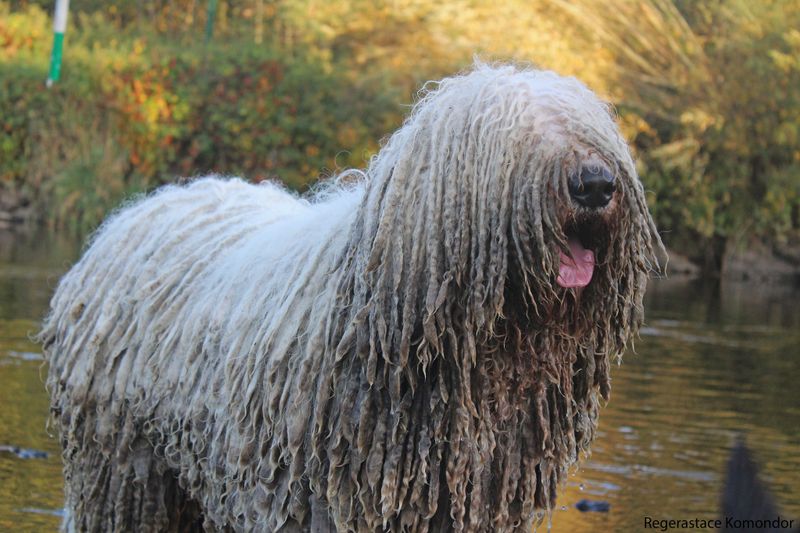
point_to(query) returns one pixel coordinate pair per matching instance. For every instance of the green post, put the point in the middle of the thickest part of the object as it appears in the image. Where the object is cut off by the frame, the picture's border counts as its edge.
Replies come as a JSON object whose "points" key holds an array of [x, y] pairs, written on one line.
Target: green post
{"points": [[211, 12], [59, 27]]}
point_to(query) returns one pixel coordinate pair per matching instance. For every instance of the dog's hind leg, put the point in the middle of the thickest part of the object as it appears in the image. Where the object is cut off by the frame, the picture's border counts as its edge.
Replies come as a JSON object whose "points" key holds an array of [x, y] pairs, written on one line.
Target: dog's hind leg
{"points": [[122, 485]]}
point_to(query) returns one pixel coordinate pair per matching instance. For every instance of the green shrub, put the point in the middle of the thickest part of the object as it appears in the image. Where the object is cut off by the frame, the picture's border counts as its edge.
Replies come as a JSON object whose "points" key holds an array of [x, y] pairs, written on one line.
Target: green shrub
{"points": [[138, 111]]}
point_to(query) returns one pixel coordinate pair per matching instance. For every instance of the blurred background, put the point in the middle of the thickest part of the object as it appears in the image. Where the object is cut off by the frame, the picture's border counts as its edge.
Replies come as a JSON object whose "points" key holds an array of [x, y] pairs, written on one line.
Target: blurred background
{"points": [[707, 93]]}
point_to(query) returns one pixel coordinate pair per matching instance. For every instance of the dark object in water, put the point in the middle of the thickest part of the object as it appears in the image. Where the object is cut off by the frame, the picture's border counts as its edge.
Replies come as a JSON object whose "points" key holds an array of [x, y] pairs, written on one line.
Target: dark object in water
{"points": [[745, 499], [23, 453], [593, 506]]}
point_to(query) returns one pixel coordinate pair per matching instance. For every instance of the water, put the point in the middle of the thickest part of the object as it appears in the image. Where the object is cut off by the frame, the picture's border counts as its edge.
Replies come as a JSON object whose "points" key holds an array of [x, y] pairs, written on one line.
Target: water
{"points": [[30, 489], [709, 365]]}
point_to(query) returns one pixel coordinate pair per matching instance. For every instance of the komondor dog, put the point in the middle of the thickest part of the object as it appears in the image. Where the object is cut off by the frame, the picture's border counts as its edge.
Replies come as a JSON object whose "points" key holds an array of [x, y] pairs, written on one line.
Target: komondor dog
{"points": [[419, 347]]}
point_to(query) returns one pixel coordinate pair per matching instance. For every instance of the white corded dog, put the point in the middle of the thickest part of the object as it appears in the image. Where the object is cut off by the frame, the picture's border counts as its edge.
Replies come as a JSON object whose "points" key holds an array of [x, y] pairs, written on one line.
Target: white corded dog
{"points": [[422, 349]]}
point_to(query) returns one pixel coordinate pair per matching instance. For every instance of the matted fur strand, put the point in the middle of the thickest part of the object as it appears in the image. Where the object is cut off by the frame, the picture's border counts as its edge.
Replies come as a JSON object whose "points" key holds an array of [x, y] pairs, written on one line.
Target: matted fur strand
{"points": [[390, 354]]}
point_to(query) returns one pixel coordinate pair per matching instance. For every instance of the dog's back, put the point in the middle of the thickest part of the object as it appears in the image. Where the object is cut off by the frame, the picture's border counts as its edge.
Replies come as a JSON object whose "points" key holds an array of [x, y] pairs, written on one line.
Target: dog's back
{"points": [[186, 263]]}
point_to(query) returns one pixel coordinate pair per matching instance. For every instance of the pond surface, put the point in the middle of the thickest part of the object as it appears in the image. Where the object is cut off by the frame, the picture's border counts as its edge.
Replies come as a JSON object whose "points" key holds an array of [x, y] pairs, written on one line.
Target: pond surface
{"points": [[709, 365]]}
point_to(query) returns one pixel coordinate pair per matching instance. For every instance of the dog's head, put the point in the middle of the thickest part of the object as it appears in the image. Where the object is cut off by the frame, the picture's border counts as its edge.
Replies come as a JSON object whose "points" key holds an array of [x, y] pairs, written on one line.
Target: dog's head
{"points": [[517, 185]]}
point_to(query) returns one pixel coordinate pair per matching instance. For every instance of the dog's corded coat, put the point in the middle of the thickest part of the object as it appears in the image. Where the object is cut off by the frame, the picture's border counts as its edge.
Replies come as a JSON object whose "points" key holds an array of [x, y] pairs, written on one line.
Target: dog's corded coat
{"points": [[391, 353]]}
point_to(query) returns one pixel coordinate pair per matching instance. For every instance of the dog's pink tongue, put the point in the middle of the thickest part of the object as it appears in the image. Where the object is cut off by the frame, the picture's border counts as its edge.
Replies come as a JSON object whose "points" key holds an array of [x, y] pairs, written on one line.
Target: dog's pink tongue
{"points": [[576, 271]]}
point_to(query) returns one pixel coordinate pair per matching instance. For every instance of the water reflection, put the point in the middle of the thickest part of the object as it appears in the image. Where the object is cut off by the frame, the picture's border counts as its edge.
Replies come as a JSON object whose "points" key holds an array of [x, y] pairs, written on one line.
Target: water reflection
{"points": [[30, 489], [30, 265], [711, 363]]}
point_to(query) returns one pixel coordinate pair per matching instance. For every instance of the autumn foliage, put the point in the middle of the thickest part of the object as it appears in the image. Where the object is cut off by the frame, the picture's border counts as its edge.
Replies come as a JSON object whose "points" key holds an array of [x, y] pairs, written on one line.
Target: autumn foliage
{"points": [[706, 92]]}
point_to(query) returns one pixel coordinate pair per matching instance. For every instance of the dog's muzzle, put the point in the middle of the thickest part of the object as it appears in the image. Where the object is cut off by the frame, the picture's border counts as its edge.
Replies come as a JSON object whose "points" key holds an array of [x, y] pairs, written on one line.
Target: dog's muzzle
{"points": [[593, 187]]}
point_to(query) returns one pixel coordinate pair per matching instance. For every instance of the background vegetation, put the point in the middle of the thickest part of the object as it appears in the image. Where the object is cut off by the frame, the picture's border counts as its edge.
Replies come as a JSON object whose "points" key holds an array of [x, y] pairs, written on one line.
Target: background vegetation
{"points": [[707, 92]]}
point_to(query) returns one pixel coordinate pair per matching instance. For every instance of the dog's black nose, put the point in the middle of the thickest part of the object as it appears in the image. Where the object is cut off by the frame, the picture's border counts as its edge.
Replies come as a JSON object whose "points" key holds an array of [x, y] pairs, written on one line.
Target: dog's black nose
{"points": [[593, 187]]}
